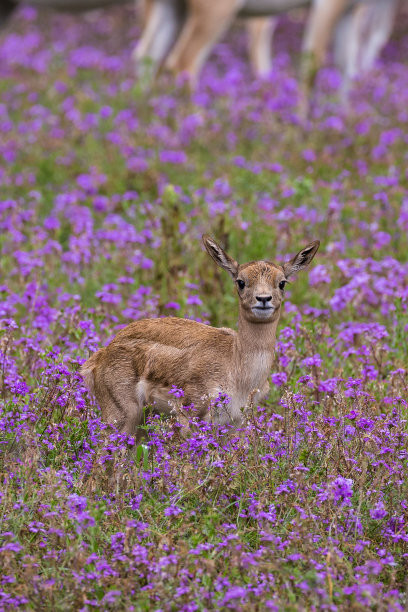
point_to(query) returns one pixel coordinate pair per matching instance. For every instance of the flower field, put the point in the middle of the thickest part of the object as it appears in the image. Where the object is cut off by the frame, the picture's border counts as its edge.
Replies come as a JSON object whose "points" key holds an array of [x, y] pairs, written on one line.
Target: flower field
{"points": [[105, 192]]}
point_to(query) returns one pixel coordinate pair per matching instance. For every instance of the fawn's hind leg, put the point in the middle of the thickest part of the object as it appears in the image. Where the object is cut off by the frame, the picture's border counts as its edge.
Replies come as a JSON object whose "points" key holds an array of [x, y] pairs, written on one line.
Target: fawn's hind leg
{"points": [[118, 397]]}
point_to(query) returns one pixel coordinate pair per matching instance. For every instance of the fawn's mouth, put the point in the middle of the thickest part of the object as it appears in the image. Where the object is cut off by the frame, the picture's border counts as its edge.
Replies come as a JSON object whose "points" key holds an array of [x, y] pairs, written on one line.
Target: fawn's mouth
{"points": [[263, 311]]}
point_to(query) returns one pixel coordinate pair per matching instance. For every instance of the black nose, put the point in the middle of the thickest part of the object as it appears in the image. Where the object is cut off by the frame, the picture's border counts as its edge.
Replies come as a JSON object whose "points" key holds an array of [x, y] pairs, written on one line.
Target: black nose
{"points": [[264, 299]]}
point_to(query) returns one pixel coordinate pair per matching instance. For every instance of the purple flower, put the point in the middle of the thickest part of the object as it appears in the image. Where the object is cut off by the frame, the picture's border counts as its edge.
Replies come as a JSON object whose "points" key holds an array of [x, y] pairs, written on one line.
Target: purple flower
{"points": [[194, 300], [342, 488], [172, 305], [12, 547], [314, 361], [319, 275], [309, 155], [173, 157], [111, 597], [233, 593], [176, 391], [8, 324], [279, 378], [172, 511], [378, 512], [76, 502]]}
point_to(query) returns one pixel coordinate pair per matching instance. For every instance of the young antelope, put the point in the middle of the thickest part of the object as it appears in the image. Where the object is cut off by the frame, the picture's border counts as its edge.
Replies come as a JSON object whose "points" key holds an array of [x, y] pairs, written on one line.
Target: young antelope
{"points": [[146, 358]]}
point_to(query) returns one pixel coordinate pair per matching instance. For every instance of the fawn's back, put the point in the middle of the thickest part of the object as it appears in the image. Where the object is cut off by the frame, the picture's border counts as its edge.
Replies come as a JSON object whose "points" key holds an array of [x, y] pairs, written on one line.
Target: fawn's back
{"points": [[148, 357]]}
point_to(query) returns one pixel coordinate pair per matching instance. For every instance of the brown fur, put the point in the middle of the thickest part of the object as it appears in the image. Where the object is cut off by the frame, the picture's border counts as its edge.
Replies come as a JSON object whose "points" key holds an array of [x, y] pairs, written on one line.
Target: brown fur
{"points": [[149, 356]]}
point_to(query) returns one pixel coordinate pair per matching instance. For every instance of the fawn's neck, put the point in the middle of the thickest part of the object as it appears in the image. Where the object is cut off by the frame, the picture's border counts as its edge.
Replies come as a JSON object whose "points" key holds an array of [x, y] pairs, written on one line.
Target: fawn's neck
{"points": [[254, 339]]}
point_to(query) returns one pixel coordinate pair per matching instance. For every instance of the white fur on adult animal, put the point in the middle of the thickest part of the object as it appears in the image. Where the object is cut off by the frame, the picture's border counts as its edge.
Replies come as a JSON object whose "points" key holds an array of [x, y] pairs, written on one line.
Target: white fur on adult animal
{"points": [[360, 37], [147, 357], [360, 29]]}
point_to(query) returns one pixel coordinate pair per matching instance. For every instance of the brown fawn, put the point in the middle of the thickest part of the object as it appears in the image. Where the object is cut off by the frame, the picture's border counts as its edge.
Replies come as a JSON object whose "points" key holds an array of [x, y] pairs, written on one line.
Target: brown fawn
{"points": [[145, 359]]}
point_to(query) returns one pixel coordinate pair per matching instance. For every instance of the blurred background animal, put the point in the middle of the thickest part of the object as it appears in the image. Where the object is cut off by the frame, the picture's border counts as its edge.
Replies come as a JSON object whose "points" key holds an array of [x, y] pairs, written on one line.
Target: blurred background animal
{"points": [[179, 35]]}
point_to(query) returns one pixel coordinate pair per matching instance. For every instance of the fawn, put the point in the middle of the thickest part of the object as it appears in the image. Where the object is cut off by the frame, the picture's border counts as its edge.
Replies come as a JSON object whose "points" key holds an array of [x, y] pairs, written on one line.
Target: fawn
{"points": [[146, 358]]}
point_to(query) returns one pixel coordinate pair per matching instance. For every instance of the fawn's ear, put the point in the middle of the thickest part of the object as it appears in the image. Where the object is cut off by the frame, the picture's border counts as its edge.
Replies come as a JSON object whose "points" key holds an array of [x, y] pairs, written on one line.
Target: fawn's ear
{"points": [[220, 256], [302, 259]]}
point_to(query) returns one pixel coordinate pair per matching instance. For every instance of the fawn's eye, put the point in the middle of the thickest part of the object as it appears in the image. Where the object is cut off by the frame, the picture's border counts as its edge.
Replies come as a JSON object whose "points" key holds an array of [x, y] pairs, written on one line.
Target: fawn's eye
{"points": [[240, 283], [282, 285]]}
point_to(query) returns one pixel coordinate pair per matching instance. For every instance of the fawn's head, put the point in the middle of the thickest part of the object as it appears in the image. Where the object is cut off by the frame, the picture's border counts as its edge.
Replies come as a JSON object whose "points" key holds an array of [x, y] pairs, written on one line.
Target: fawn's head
{"points": [[260, 284]]}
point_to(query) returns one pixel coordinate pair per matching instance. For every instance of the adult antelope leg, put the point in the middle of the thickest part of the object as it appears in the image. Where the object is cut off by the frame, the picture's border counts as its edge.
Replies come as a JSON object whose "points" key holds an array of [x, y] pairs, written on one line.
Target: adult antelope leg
{"points": [[324, 16], [347, 48], [260, 34], [379, 22], [163, 20], [360, 37], [202, 29]]}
